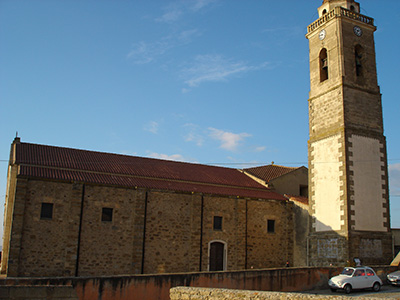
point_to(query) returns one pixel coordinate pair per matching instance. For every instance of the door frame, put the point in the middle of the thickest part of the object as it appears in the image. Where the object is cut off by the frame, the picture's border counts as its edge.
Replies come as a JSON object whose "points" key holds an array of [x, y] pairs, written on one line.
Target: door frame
{"points": [[224, 259]]}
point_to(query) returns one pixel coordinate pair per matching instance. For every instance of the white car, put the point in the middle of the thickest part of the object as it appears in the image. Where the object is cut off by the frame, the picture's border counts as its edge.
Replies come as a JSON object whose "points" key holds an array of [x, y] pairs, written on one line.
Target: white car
{"points": [[394, 278], [355, 279]]}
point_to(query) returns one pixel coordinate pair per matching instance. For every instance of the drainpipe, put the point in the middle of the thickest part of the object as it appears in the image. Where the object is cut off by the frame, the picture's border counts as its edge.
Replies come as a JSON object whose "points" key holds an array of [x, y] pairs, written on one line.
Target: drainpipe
{"points": [[201, 230], [144, 230], [308, 245], [245, 239], [79, 233]]}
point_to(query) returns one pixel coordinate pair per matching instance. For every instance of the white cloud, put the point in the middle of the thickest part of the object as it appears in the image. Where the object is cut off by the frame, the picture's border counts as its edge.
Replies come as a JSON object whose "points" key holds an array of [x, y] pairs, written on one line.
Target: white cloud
{"points": [[186, 35], [394, 167], [174, 11], [193, 135], [199, 4], [214, 68], [172, 14], [143, 52], [152, 127], [176, 157], [260, 149], [229, 140], [146, 52]]}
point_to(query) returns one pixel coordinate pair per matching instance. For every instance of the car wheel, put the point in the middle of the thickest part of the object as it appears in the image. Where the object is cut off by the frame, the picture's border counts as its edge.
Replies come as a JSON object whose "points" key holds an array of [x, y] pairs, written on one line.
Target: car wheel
{"points": [[333, 290], [347, 288], [376, 287]]}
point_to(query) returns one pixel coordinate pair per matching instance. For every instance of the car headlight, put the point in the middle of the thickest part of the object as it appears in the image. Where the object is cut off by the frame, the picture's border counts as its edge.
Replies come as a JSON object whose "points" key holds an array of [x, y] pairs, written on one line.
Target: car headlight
{"points": [[340, 283], [336, 283]]}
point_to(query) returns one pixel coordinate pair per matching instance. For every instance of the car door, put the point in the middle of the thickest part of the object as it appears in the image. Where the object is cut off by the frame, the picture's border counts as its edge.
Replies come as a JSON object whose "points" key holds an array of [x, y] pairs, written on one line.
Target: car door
{"points": [[371, 277], [359, 279]]}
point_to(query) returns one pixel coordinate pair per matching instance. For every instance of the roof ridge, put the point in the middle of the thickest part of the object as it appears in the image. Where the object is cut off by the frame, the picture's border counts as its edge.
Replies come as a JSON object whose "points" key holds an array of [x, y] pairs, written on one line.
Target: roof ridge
{"points": [[261, 187], [272, 165], [128, 156]]}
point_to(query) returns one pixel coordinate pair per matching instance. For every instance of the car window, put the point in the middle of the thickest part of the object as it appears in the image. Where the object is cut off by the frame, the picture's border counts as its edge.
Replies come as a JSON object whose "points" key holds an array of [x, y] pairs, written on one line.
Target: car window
{"points": [[348, 271], [370, 272], [359, 272]]}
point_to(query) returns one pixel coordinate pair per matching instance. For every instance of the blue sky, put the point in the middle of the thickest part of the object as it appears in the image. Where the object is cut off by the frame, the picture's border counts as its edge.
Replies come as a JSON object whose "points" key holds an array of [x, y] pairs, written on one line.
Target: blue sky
{"points": [[221, 82]]}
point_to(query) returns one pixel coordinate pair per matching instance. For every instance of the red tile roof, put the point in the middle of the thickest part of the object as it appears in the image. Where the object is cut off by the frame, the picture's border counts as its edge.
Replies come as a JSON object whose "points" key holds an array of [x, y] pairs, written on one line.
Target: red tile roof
{"points": [[269, 172], [300, 199], [49, 162]]}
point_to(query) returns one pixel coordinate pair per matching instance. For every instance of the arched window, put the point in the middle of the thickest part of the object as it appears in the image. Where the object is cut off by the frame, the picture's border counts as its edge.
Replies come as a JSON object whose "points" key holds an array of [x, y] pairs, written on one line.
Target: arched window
{"points": [[323, 65], [352, 8], [358, 59], [217, 256], [324, 12]]}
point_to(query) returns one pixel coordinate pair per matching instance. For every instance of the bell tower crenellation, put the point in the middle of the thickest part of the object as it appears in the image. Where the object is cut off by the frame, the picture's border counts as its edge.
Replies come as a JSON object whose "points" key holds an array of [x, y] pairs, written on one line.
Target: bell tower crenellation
{"points": [[329, 5], [348, 181]]}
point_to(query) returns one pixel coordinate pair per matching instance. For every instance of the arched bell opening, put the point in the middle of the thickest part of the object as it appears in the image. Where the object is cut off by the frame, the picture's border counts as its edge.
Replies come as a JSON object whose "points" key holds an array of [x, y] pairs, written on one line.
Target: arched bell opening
{"points": [[323, 65]]}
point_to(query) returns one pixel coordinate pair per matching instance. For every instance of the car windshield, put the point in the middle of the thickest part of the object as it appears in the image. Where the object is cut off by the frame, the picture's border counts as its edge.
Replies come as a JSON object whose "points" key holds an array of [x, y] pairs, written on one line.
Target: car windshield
{"points": [[348, 271]]}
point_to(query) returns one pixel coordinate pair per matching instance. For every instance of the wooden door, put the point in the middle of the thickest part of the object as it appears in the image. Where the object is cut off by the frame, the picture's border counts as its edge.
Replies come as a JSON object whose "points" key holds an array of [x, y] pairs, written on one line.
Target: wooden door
{"points": [[217, 256]]}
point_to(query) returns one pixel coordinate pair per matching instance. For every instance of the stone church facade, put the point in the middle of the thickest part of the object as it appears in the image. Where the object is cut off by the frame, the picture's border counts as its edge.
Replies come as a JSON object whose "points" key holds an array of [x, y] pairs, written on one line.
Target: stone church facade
{"points": [[72, 212]]}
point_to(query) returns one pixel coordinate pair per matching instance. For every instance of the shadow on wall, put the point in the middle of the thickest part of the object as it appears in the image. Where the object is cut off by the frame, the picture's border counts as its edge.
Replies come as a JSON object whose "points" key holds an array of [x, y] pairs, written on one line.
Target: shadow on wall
{"points": [[327, 247]]}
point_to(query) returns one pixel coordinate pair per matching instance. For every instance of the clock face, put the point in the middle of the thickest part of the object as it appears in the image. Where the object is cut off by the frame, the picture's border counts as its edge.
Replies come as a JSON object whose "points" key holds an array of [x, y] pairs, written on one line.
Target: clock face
{"points": [[322, 34], [357, 31]]}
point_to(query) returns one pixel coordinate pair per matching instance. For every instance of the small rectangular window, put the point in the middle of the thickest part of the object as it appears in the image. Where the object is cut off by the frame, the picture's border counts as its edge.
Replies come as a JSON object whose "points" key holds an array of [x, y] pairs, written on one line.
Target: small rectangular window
{"points": [[271, 226], [217, 223], [46, 212], [107, 214]]}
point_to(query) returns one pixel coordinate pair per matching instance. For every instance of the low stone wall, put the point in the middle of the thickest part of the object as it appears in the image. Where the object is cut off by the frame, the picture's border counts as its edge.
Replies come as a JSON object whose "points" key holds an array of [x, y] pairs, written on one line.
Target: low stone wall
{"points": [[150, 287], [190, 293], [38, 293]]}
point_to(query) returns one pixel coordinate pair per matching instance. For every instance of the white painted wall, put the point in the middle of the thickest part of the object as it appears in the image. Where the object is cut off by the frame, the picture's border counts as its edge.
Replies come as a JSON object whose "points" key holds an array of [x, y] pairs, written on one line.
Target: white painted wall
{"points": [[326, 180], [368, 183]]}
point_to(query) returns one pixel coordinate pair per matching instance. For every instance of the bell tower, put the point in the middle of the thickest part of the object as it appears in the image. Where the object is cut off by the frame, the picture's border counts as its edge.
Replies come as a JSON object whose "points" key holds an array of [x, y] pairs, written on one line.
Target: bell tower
{"points": [[348, 177]]}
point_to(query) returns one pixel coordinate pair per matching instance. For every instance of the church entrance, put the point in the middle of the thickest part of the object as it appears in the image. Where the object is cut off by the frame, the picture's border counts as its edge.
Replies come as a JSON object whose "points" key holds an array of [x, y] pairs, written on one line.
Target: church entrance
{"points": [[217, 256]]}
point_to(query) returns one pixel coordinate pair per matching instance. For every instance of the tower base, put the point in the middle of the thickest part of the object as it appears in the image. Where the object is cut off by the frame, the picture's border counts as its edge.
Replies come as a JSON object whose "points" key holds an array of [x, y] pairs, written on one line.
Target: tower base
{"points": [[334, 249]]}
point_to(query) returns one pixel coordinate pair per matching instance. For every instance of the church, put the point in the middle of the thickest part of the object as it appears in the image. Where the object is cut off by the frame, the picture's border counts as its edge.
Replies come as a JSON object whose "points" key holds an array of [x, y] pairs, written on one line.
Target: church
{"points": [[72, 212]]}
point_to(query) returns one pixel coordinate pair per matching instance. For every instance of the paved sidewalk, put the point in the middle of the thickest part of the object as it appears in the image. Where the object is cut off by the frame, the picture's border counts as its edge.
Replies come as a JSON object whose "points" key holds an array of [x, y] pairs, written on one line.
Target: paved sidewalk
{"points": [[386, 292]]}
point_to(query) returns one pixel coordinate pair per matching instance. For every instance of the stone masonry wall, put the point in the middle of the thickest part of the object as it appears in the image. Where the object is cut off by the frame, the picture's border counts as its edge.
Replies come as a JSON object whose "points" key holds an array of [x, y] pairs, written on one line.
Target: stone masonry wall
{"points": [[172, 233], [331, 44], [363, 112], [270, 249], [233, 213], [151, 232], [366, 41], [346, 105], [49, 245], [326, 115], [189, 293], [8, 220], [8, 212], [107, 247]]}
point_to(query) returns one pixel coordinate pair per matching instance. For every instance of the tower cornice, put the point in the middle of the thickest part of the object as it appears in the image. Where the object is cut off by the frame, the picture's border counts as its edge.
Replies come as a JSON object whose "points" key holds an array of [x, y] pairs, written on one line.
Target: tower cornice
{"points": [[342, 85], [339, 12]]}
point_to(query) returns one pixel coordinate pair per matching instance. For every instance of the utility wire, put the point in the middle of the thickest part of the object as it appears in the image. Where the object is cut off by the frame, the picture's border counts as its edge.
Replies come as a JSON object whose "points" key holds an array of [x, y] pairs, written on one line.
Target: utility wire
{"points": [[220, 163]]}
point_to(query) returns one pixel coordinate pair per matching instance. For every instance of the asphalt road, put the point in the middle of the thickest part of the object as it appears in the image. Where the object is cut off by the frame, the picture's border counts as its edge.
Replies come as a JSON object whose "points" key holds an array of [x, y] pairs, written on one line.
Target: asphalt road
{"points": [[386, 292]]}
